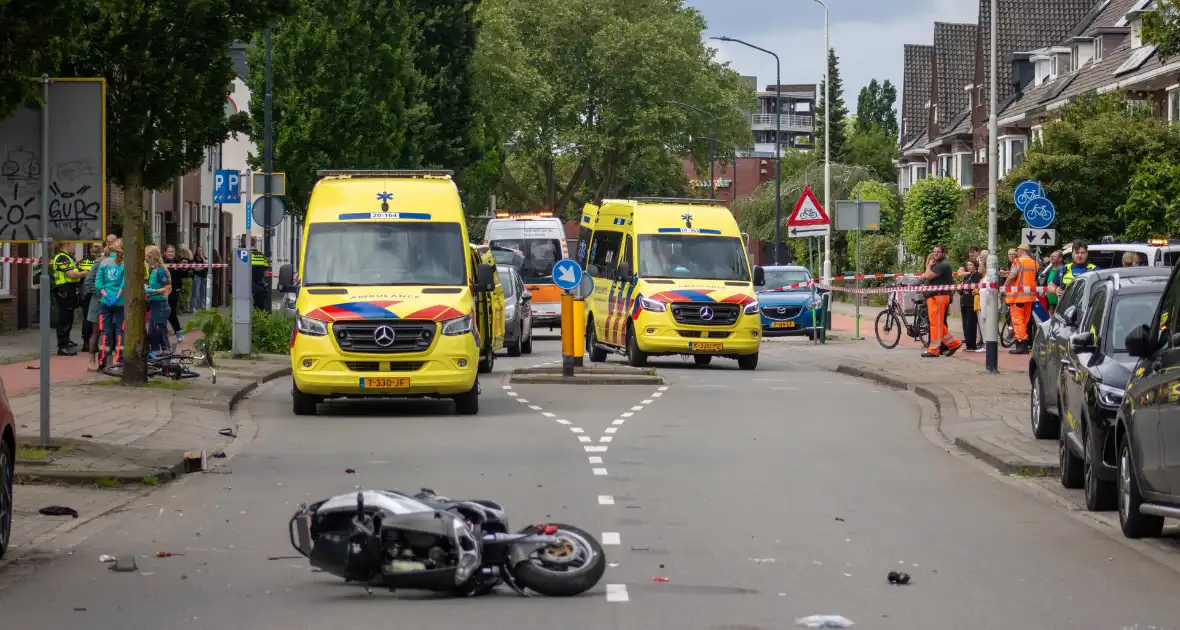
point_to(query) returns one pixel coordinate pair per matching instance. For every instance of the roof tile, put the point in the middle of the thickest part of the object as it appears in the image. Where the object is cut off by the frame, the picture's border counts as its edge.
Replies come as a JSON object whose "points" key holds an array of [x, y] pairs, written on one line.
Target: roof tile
{"points": [[915, 89], [954, 62], [1024, 25]]}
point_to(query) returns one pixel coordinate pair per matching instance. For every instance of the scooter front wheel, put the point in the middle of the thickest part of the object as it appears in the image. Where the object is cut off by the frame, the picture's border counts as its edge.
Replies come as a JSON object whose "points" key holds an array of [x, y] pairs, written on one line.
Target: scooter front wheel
{"points": [[571, 567]]}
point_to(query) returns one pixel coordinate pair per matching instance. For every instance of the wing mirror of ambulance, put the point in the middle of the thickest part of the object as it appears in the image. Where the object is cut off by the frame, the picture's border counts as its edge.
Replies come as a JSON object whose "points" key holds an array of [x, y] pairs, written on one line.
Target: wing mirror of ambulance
{"points": [[759, 276], [287, 279], [485, 278], [623, 274]]}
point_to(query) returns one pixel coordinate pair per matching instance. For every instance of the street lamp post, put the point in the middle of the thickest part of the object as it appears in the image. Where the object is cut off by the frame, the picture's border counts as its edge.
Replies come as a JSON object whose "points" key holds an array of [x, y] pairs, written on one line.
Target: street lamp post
{"points": [[992, 306], [827, 142], [778, 155], [712, 145]]}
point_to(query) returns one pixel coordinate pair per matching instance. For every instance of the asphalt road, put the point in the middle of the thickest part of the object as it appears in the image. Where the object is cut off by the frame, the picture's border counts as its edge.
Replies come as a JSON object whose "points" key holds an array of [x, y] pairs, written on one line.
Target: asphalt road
{"points": [[761, 497]]}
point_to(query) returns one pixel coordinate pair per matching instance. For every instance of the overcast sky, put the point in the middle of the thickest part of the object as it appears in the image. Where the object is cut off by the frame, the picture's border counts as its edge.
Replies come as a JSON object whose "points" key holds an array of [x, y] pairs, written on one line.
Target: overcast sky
{"points": [[868, 36]]}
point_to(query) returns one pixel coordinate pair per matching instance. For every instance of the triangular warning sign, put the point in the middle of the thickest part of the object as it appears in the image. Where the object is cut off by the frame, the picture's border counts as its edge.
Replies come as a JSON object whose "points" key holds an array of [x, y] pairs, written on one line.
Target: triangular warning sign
{"points": [[808, 211]]}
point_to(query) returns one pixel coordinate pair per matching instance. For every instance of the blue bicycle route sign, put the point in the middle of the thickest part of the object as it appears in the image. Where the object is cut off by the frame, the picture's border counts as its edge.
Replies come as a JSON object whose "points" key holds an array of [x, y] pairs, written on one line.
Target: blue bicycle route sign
{"points": [[1029, 198]]}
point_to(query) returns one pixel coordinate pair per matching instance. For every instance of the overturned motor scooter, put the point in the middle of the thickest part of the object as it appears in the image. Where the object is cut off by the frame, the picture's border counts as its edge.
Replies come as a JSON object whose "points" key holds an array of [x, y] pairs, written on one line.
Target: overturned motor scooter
{"points": [[390, 539]]}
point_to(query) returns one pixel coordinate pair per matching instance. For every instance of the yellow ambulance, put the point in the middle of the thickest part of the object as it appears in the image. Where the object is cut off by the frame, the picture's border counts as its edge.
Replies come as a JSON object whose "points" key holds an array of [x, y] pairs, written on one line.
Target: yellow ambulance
{"points": [[392, 301], [671, 277]]}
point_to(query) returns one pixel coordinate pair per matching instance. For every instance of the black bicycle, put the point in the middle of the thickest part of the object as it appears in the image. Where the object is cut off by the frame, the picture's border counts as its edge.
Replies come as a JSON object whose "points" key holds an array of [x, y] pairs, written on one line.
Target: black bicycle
{"points": [[173, 365], [892, 320]]}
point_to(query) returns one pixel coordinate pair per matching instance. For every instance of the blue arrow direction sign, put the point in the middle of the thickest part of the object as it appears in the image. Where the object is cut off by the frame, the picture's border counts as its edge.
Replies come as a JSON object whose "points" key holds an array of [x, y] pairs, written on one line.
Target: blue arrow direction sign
{"points": [[1025, 192], [1039, 214], [566, 274]]}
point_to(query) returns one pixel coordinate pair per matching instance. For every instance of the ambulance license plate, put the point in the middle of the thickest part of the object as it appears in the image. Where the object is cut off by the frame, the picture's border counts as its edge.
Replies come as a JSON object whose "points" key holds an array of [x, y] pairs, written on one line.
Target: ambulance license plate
{"points": [[782, 325], [706, 347], [385, 383]]}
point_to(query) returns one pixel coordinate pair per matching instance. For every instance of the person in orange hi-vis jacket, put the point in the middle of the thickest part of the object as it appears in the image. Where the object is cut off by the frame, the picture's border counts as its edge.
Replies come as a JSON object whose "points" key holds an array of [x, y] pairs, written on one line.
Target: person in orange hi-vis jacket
{"points": [[1022, 275], [939, 273]]}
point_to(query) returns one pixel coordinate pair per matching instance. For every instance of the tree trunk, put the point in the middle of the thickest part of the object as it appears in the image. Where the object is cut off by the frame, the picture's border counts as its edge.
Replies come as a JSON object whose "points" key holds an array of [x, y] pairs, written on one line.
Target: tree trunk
{"points": [[134, 335]]}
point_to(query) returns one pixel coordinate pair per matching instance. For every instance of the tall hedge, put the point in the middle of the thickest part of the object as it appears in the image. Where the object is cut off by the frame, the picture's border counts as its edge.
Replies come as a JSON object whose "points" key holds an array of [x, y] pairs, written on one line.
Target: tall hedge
{"points": [[931, 206]]}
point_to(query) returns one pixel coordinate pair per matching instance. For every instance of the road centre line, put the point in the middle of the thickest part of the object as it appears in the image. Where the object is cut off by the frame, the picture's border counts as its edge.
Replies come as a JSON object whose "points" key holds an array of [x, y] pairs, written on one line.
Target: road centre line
{"points": [[657, 394], [617, 593], [612, 429], [548, 414], [560, 421], [595, 449], [606, 499], [664, 388], [534, 408], [618, 422], [647, 402], [583, 438], [626, 414], [605, 439], [522, 400], [611, 538], [594, 459], [600, 472], [637, 408]]}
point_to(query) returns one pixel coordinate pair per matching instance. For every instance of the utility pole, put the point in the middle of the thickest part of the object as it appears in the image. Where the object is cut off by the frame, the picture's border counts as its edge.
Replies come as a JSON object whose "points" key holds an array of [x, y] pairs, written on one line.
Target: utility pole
{"points": [[267, 145], [992, 308], [827, 141]]}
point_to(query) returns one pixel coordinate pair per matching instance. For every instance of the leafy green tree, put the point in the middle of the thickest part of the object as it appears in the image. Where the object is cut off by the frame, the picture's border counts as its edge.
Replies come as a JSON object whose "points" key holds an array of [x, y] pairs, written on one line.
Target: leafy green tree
{"points": [[838, 111], [931, 208], [31, 38], [874, 149], [167, 73], [443, 48], [347, 93], [1153, 201], [1161, 26], [1090, 154], [876, 106], [583, 83]]}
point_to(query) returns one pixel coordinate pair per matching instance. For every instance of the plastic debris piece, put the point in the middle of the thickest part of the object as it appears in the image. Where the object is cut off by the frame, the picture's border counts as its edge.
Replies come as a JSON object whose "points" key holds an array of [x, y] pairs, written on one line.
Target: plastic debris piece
{"points": [[659, 579], [841, 519], [613, 565], [59, 510], [167, 554], [824, 621], [218, 455], [227, 432], [349, 471], [106, 558], [86, 435], [124, 565], [285, 558], [898, 578]]}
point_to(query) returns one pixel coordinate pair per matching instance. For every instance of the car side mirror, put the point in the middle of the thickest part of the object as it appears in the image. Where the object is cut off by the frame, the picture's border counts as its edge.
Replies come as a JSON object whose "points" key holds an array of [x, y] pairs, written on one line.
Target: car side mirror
{"points": [[287, 279], [1083, 342], [526, 296], [485, 278], [1071, 316], [1138, 342], [759, 276], [623, 274]]}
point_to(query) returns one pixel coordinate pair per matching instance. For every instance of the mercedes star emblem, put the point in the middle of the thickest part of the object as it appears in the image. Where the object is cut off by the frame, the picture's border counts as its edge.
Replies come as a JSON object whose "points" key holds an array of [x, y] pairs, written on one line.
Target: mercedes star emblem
{"points": [[706, 313], [384, 336]]}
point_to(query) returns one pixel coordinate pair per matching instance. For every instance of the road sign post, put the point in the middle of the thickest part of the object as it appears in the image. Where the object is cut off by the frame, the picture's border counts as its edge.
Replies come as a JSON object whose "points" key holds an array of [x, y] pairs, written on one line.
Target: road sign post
{"points": [[1038, 238], [243, 306], [568, 276], [809, 219], [858, 216]]}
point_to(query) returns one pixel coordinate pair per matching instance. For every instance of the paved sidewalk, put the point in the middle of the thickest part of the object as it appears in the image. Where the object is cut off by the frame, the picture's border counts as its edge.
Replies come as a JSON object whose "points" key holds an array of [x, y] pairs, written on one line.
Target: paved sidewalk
{"points": [[984, 414], [112, 444]]}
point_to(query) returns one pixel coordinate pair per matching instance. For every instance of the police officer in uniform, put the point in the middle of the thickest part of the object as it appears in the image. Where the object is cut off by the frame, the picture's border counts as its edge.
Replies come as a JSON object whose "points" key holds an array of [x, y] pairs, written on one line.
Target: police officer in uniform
{"points": [[66, 281], [84, 265], [260, 287]]}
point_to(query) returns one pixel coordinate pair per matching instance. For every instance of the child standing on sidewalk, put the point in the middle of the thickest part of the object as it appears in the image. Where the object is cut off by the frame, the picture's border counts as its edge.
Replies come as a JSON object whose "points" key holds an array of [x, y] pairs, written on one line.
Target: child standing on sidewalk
{"points": [[109, 283], [159, 288]]}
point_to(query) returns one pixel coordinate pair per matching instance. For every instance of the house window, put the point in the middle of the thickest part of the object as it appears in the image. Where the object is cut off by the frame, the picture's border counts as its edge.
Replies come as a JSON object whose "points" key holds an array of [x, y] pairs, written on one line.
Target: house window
{"points": [[1037, 133], [1053, 68], [158, 227], [946, 165], [6, 271], [1011, 153], [1136, 34], [1174, 106], [919, 172], [965, 171], [981, 156], [1098, 48]]}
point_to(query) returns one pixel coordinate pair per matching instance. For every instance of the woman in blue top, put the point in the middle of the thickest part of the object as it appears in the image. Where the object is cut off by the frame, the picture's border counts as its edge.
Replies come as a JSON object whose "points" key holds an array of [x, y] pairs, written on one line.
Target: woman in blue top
{"points": [[159, 286], [109, 283]]}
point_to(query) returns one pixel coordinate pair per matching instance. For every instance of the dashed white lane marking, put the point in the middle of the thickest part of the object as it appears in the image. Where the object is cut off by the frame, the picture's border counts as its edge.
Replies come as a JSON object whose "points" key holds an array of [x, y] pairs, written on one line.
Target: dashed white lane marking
{"points": [[513, 394], [664, 388], [657, 394], [626, 414], [637, 408], [600, 472], [647, 402], [534, 408], [583, 438], [605, 439], [611, 538], [594, 459], [577, 429], [617, 593], [506, 386], [606, 499], [618, 422], [548, 414], [522, 400], [595, 449], [612, 429], [559, 421]]}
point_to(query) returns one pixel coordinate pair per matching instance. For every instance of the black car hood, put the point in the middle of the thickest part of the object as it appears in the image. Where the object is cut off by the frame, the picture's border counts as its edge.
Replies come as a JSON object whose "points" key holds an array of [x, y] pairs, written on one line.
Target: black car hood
{"points": [[1115, 371]]}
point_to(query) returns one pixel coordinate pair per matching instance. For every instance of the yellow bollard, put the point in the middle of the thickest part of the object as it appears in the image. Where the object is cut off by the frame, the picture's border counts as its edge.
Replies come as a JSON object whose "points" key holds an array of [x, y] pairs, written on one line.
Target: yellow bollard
{"points": [[579, 332], [567, 325]]}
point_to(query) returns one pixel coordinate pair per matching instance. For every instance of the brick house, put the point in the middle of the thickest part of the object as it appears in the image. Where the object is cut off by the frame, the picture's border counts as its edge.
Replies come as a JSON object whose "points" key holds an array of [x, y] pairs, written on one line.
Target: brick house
{"points": [[917, 81]]}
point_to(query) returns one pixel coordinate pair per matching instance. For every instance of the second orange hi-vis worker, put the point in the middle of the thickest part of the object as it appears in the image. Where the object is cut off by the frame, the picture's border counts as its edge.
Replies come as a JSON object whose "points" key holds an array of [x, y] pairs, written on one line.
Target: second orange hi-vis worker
{"points": [[938, 273], [1022, 275]]}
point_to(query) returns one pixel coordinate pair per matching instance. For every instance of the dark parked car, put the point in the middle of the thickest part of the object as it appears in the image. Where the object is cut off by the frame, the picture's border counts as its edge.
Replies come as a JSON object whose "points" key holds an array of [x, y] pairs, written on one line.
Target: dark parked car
{"points": [[1051, 343], [1095, 370], [518, 313], [1147, 428], [7, 468]]}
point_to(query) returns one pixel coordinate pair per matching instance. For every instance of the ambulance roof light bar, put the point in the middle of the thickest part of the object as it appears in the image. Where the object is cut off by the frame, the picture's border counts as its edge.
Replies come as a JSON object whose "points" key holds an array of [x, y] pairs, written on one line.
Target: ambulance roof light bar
{"points": [[381, 173], [542, 214]]}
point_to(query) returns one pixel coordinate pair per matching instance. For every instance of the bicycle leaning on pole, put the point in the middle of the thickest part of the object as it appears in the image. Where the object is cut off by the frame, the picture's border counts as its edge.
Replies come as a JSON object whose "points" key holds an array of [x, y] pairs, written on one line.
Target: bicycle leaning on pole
{"points": [[890, 322]]}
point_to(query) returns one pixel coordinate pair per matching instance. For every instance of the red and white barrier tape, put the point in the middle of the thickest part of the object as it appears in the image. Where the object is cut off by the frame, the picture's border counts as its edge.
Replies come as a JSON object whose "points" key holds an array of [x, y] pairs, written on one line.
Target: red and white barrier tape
{"points": [[37, 261], [917, 288]]}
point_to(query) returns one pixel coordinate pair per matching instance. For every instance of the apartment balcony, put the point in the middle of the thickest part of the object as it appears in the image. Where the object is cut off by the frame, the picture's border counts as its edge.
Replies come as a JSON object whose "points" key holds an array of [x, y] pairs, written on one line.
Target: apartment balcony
{"points": [[790, 122]]}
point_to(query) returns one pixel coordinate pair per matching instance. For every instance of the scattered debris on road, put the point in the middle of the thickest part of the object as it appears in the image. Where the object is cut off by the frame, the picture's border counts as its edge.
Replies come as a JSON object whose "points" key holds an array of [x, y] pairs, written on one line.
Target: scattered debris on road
{"points": [[58, 510], [349, 471], [227, 432], [898, 578], [87, 435], [124, 565], [659, 579], [106, 558], [824, 621], [167, 554], [841, 519]]}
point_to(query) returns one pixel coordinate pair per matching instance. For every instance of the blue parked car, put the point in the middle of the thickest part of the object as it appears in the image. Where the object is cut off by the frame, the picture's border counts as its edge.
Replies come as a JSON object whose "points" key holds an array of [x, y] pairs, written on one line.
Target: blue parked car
{"points": [[789, 312]]}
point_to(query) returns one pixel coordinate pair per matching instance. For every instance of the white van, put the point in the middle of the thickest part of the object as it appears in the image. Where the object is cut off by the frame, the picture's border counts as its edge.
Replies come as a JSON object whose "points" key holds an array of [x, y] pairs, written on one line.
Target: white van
{"points": [[541, 238], [1153, 253]]}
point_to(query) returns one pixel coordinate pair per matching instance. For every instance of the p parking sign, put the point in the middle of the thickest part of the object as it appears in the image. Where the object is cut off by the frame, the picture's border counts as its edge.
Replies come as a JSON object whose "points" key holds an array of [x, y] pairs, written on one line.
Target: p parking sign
{"points": [[227, 186]]}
